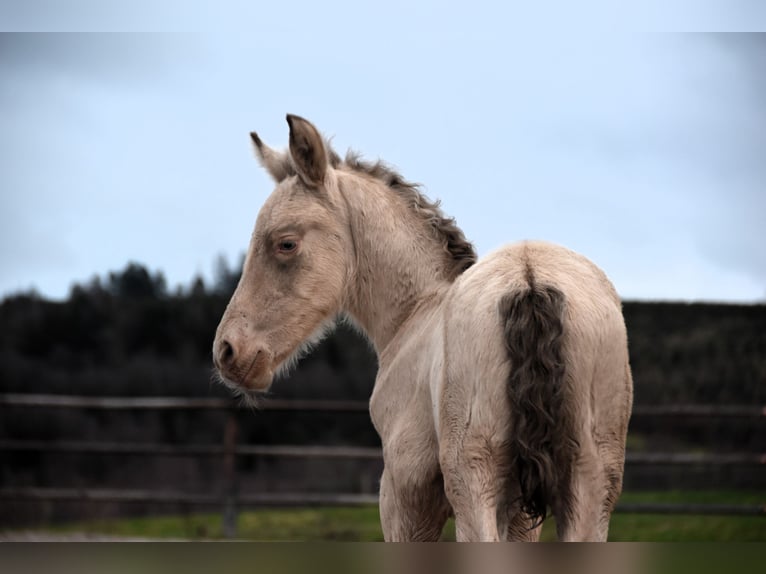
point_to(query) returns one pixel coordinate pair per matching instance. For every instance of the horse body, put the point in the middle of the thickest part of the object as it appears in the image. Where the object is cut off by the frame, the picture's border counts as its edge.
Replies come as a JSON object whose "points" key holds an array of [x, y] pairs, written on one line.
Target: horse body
{"points": [[445, 422], [503, 386]]}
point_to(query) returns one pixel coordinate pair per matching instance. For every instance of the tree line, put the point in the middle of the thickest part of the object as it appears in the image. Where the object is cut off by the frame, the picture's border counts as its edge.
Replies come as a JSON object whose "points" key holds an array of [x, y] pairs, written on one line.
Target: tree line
{"points": [[126, 334]]}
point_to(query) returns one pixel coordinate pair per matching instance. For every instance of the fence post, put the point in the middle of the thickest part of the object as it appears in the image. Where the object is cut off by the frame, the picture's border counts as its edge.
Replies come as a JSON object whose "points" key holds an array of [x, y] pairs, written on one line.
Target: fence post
{"points": [[231, 487]]}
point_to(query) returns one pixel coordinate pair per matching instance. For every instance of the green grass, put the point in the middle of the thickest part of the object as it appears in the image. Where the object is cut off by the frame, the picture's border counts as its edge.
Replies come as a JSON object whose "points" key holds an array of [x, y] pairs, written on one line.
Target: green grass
{"points": [[362, 524], [689, 528]]}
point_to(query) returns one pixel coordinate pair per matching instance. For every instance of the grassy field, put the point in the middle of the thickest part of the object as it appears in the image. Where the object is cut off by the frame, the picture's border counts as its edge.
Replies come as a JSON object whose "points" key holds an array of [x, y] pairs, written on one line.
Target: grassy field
{"points": [[362, 524]]}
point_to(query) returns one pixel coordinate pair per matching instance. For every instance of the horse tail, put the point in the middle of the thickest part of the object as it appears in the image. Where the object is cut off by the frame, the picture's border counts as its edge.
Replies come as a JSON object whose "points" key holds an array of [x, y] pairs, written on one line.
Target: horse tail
{"points": [[543, 441]]}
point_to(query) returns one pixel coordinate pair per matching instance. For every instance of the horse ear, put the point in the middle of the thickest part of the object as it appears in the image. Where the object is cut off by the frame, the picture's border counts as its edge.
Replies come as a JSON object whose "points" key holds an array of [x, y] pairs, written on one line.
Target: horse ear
{"points": [[276, 163], [308, 151]]}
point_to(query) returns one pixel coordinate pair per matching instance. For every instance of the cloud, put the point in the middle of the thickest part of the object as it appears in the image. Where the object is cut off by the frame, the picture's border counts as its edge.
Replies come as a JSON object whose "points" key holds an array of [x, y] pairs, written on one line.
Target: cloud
{"points": [[732, 231], [124, 60], [64, 100], [681, 128]]}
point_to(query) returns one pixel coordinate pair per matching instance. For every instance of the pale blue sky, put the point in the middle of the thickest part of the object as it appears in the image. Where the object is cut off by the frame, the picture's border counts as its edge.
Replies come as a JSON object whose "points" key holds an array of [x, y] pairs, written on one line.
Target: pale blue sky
{"points": [[644, 151]]}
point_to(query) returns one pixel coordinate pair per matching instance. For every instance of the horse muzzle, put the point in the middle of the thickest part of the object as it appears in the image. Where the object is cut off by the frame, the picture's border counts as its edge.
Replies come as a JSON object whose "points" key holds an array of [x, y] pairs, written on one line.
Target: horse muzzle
{"points": [[244, 363]]}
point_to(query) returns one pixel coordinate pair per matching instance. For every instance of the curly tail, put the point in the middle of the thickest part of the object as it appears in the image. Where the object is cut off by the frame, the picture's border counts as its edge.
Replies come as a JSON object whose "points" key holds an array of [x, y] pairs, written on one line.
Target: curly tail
{"points": [[543, 443]]}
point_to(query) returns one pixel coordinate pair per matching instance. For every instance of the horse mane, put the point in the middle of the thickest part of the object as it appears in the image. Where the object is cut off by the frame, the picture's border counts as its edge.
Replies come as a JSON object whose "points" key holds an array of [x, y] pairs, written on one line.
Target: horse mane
{"points": [[460, 251]]}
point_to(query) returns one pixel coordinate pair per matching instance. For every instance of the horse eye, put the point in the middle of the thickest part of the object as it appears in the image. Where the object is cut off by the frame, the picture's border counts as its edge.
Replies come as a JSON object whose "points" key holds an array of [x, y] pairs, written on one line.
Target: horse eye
{"points": [[287, 245]]}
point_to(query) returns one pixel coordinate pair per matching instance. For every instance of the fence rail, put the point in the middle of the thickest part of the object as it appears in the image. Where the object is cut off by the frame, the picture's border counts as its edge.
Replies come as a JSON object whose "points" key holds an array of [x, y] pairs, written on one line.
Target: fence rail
{"points": [[229, 450], [175, 403], [268, 499], [185, 403], [293, 499], [160, 449], [296, 451]]}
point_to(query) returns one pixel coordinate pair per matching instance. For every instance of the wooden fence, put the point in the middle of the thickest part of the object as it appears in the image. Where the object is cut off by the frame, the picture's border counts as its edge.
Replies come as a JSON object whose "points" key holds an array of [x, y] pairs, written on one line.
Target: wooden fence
{"points": [[228, 451]]}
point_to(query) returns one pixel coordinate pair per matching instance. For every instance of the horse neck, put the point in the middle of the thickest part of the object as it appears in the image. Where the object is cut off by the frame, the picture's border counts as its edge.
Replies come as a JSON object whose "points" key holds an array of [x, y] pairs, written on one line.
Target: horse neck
{"points": [[398, 264]]}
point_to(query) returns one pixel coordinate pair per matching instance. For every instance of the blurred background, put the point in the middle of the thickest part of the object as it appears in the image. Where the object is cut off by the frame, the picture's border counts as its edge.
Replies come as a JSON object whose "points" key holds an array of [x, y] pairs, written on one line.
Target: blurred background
{"points": [[129, 192]]}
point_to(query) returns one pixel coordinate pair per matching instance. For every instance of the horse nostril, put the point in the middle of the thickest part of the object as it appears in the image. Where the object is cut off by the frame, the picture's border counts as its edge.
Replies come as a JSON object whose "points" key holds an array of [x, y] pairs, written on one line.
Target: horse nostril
{"points": [[226, 353]]}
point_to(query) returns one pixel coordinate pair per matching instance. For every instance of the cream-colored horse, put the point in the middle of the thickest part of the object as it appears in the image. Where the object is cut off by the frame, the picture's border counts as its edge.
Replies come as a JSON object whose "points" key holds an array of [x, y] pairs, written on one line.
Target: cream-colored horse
{"points": [[504, 387]]}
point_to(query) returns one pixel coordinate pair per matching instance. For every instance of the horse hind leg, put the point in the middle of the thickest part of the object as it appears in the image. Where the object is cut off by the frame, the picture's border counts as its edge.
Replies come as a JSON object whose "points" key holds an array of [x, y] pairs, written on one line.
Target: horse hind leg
{"points": [[579, 507], [612, 455], [473, 450], [598, 472], [482, 504], [472, 484], [596, 484]]}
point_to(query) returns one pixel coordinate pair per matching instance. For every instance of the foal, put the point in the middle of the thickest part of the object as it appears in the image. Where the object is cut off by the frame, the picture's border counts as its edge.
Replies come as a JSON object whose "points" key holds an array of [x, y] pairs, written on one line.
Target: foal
{"points": [[504, 387]]}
